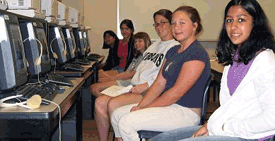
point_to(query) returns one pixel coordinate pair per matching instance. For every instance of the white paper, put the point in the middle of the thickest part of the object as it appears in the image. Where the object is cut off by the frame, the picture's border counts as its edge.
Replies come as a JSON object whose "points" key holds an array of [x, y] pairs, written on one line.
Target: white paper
{"points": [[115, 90]]}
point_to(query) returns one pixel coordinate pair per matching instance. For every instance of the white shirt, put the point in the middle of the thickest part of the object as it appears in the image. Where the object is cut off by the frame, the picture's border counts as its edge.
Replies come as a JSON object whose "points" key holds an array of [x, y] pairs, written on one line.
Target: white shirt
{"points": [[250, 112], [153, 57]]}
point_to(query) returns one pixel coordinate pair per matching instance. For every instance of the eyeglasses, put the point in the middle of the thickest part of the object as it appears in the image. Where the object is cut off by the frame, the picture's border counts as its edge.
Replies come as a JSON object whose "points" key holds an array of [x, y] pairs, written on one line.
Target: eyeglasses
{"points": [[161, 24]]}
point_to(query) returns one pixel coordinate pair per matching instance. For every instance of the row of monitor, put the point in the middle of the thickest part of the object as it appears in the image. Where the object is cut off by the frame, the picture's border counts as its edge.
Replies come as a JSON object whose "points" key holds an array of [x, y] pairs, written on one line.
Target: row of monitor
{"points": [[31, 47]]}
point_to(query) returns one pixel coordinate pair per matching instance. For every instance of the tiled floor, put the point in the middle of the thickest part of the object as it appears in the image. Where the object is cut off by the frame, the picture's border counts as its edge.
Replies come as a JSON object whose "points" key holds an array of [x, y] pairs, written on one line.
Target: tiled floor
{"points": [[90, 132]]}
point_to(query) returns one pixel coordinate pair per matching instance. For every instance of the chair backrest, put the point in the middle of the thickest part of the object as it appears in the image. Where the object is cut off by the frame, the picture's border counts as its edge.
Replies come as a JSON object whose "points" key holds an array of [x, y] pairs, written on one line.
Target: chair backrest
{"points": [[204, 100]]}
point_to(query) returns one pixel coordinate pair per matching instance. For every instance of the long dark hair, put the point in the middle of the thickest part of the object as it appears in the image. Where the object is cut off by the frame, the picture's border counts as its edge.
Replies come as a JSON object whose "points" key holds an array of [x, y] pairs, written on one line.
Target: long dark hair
{"points": [[128, 23], [111, 33], [261, 36], [130, 55], [112, 59]]}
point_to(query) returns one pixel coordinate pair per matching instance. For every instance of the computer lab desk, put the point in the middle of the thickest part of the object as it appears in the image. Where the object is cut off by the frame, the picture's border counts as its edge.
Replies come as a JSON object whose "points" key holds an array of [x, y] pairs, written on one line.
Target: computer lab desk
{"points": [[17, 123], [215, 66]]}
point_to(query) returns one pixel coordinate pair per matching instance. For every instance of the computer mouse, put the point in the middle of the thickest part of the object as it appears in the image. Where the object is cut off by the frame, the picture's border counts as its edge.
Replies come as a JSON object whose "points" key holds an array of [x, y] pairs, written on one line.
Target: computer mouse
{"points": [[51, 86]]}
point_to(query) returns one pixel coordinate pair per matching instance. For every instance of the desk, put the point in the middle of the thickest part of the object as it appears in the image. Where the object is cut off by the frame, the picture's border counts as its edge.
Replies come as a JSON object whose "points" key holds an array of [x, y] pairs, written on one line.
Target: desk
{"points": [[70, 73], [216, 70], [40, 124], [18, 122], [213, 62]]}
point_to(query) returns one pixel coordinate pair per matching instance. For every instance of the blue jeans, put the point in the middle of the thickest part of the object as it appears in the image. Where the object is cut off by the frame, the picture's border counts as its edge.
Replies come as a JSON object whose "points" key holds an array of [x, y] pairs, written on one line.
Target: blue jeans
{"points": [[184, 134], [118, 69]]}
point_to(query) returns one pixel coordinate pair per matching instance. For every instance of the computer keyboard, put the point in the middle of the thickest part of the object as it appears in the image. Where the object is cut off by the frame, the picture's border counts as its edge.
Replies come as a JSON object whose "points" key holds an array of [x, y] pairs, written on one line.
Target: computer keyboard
{"points": [[74, 67], [93, 57], [59, 79], [82, 61], [27, 91]]}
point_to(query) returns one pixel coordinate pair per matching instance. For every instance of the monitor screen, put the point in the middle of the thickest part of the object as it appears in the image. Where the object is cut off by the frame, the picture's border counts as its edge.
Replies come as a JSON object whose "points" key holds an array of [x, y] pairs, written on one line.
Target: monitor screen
{"points": [[80, 35], [86, 41], [69, 41], [79, 42], [74, 44], [32, 47], [57, 45], [45, 59], [84, 34], [16, 41], [64, 43], [13, 63]]}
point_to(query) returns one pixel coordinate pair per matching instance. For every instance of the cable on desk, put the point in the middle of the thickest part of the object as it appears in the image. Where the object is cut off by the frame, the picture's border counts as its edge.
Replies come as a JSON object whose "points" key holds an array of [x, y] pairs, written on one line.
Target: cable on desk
{"points": [[59, 111]]}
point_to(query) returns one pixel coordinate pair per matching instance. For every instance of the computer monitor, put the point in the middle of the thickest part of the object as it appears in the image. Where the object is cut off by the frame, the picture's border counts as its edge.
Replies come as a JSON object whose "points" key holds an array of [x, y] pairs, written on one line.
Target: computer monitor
{"points": [[71, 46], [79, 42], [12, 61], [86, 41], [74, 43], [35, 46], [41, 36], [57, 45]]}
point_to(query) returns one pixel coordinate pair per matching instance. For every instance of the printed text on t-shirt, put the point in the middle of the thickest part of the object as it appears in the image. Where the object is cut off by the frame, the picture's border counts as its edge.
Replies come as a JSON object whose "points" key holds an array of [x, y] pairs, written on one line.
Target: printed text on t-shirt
{"points": [[154, 57]]}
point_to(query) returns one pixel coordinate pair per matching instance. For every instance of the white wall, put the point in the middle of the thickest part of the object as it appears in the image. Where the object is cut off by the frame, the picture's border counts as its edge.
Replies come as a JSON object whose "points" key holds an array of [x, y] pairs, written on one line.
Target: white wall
{"points": [[211, 12], [101, 15]]}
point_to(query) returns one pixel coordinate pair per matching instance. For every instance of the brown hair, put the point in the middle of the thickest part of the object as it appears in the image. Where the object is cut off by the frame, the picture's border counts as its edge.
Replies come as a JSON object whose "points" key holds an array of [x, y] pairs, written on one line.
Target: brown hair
{"points": [[165, 13], [193, 15], [145, 37]]}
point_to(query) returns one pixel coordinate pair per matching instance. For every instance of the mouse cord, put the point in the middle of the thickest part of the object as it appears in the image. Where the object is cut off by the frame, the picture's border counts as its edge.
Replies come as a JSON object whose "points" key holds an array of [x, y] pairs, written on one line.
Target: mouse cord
{"points": [[59, 111]]}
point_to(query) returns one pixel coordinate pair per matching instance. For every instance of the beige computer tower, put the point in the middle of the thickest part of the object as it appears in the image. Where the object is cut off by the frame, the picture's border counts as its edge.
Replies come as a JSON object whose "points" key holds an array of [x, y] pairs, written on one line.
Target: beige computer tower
{"points": [[62, 14], [50, 9], [24, 4], [29, 8], [73, 16], [3, 5]]}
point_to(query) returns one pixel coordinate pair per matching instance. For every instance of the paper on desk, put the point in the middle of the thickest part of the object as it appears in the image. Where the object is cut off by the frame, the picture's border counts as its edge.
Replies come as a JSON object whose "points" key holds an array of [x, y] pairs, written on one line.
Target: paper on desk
{"points": [[116, 90]]}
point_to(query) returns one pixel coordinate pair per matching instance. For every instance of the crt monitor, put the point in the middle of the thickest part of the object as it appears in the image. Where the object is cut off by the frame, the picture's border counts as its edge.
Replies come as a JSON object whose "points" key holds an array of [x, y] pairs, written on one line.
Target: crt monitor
{"points": [[12, 58], [64, 43], [86, 41], [41, 36], [79, 42], [71, 47], [57, 45], [35, 45], [73, 40]]}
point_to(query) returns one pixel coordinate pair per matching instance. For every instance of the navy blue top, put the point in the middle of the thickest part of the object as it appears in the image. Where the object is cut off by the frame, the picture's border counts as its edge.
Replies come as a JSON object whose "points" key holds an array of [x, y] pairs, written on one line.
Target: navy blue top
{"points": [[172, 67]]}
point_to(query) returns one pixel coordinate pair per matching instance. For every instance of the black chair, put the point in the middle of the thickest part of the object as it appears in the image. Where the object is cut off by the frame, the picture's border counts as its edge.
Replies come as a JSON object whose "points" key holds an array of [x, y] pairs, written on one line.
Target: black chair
{"points": [[215, 84], [146, 134]]}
